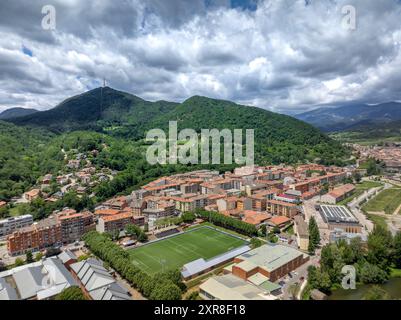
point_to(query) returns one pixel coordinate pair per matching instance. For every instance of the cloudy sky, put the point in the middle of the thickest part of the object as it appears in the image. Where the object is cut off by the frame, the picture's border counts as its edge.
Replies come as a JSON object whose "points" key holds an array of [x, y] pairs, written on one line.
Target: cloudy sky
{"points": [[283, 55]]}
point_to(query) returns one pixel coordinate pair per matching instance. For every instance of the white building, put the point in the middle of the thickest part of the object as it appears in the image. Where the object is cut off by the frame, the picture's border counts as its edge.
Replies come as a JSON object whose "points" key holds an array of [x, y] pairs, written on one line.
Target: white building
{"points": [[41, 280], [9, 225]]}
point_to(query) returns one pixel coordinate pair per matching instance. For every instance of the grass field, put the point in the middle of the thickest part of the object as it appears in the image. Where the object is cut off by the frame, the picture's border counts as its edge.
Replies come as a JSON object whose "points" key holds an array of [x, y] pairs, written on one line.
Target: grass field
{"points": [[388, 201], [360, 189], [176, 251]]}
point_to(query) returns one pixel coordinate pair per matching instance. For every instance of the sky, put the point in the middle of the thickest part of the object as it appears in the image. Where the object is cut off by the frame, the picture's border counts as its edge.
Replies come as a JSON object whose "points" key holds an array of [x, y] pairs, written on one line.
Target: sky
{"points": [[287, 56]]}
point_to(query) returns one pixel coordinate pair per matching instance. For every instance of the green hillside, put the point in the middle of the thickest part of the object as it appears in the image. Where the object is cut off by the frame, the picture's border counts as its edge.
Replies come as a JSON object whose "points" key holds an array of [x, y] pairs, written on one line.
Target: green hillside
{"points": [[279, 138]]}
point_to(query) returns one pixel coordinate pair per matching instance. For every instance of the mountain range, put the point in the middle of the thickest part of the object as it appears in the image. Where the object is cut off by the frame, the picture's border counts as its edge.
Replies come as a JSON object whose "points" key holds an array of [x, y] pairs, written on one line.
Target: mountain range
{"points": [[15, 113], [278, 138], [354, 117]]}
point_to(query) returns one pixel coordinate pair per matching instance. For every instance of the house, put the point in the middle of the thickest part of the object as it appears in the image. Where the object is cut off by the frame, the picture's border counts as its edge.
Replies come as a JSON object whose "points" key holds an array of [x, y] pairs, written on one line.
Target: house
{"points": [[255, 218], [279, 221], [96, 282], [32, 194], [338, 194]]}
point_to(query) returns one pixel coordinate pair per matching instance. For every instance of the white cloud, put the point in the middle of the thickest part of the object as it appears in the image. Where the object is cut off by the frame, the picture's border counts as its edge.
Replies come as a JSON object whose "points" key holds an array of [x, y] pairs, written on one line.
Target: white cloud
{"points": [[286, 56]]}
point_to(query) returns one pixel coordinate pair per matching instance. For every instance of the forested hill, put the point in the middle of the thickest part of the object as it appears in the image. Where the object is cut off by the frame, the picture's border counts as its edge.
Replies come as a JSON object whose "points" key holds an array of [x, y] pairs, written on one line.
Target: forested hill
{"points": [[279, 138], [16, 112]]}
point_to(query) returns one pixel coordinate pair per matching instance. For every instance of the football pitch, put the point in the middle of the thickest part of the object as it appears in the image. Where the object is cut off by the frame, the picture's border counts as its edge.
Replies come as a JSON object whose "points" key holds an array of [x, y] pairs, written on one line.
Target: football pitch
{"points": [[174, 252]]}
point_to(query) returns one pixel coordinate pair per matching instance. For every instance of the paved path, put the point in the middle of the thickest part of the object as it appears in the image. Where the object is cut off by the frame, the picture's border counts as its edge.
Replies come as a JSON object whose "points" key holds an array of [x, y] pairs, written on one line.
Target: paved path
{"points": [[355, 205]]}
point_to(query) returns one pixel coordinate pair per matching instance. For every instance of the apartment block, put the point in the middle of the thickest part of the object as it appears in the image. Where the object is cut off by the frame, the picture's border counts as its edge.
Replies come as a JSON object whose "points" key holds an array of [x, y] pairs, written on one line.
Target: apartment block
{"points": [[41, 235], [74, 225], [9, 225], [282, 208], [118, 222]]}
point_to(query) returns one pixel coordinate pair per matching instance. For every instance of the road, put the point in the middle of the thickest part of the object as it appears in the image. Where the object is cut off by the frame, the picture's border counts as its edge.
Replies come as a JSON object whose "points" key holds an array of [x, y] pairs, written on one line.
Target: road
{"points": [[302, 272]]}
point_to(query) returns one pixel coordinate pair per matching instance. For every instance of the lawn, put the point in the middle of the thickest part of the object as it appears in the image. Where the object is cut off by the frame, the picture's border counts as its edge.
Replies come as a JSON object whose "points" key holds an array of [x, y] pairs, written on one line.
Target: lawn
{"points": [[388, 201], [360, 189], [176, 251]]}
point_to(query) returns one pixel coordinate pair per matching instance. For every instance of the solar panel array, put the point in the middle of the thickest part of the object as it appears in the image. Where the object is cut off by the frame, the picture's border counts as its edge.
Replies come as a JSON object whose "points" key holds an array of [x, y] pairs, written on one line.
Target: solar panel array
{"points": [[337, 214]]}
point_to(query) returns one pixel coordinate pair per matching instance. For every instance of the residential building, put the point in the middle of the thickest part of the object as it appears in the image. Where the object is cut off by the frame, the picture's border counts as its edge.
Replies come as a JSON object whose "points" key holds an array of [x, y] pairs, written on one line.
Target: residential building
{"points": [[43, 234], [9, 225], [279, 221], [74, 225], [32, 194], [301, 230], [338, 194], [118, 203], [118, 222], [282, 208]]}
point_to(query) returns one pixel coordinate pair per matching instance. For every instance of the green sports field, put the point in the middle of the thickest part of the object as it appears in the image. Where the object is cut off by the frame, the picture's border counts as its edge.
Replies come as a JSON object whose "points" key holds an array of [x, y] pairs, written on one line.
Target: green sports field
{"points": [[176, 251]]}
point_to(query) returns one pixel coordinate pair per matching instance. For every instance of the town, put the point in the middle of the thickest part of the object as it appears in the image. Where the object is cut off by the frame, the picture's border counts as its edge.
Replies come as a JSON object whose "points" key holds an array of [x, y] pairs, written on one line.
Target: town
{"points": [[246, 234]]}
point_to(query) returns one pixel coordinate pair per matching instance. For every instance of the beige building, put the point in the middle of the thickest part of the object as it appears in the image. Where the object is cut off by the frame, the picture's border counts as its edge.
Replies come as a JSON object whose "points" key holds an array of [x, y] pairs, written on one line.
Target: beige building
{"points": [[302, 231]]}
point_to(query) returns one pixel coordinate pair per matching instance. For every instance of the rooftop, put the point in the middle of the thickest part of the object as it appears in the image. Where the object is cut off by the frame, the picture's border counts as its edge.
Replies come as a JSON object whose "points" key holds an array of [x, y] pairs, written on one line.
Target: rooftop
{"points": [[230, 287], [270, 257], [337, 214]]}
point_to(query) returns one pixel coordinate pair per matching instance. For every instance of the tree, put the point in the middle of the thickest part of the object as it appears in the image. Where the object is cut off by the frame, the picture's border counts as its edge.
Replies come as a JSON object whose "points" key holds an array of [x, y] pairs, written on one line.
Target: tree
{"points": [[332, 262], [19, 262], [370, 273], [314, 235], [71, 293], [380, 243], [397, 250], [357, 177], [39, 256], [318, 279], [263, 230], [29, 257], [255, 243], [166, 291], [188, 217], [376, 293]]}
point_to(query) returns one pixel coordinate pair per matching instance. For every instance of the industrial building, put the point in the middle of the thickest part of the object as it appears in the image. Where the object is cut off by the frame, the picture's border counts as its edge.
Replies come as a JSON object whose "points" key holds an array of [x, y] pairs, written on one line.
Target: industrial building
{"points": [[339, 217], [269, 262], [41, 280]]}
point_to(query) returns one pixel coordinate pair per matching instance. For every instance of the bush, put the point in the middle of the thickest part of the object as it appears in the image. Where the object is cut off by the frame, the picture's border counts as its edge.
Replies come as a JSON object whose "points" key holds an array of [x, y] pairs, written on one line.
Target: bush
{"points": [[71, 293]]}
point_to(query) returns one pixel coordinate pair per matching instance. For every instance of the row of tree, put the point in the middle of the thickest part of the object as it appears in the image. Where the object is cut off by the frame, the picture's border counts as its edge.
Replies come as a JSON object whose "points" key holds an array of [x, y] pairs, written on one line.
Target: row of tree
{"points": [[227, 222], [162, 286]]}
